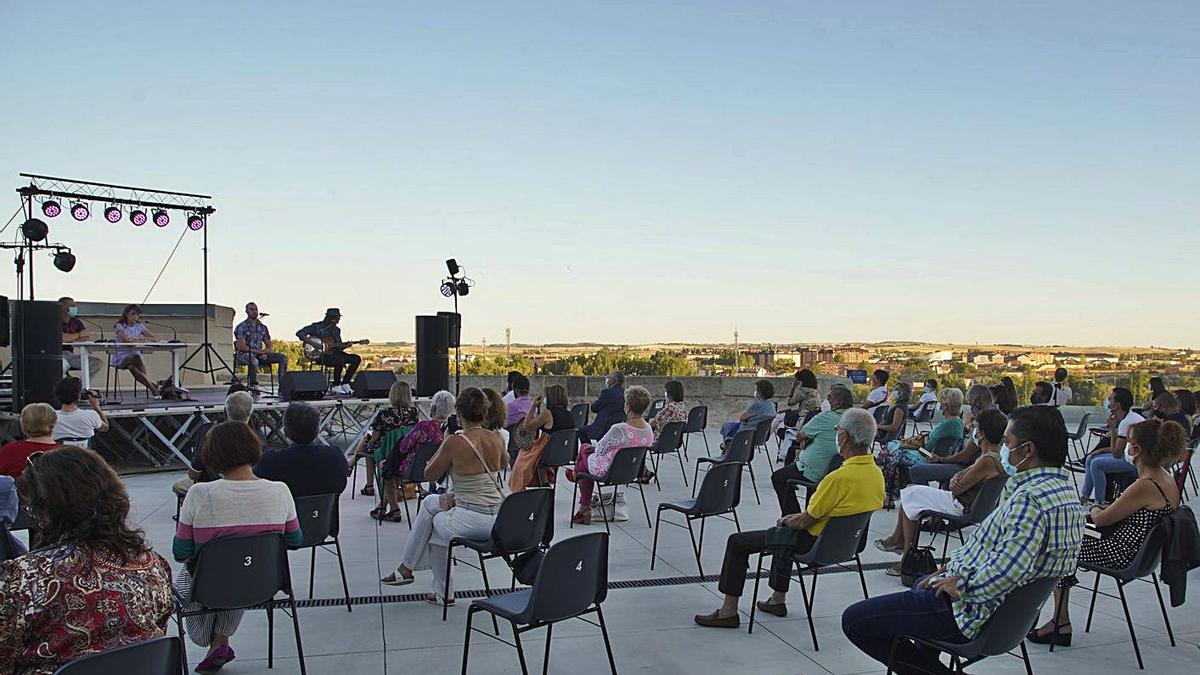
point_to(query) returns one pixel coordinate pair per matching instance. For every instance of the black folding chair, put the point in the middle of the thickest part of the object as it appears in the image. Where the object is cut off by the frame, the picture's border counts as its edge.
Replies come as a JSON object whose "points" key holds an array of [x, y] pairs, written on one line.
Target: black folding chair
{"points": [[571, 583], [923, 415], [319, 524], [842, 540], [1143, 564], [1078, 439], [697, 421], [886, 437], [737, 451], [524, 522], [718, 496], [244, 573], [1000, 635], [157, 656], [626, 469], [561, 450], [669, 441], [415, 477], [579, 413], [8, 549], [655, 406], [762, 434], [985, 502]]}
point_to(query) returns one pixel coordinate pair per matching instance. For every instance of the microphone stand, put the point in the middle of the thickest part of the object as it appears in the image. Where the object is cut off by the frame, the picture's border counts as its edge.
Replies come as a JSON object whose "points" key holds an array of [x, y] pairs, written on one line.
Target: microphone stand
{"points": [[174, 333], [93, 323]]}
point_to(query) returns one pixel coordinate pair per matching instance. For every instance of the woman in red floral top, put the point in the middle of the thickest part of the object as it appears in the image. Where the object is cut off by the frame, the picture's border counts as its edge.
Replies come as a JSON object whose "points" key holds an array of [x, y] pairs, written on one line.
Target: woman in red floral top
{"points": [[94, 585]]}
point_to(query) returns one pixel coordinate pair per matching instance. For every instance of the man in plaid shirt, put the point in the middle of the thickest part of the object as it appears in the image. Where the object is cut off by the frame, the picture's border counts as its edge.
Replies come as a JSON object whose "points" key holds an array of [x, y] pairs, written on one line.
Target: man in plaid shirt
{"points": [[1034, 533]]}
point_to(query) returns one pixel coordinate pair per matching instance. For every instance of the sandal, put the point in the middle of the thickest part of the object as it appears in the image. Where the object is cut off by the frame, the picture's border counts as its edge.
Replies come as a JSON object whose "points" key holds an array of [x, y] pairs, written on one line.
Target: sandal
{"points": [[367, 491], [393, 516], [582, 518], [1060, 639], [396, 579], [435, 599], [379, 513]]}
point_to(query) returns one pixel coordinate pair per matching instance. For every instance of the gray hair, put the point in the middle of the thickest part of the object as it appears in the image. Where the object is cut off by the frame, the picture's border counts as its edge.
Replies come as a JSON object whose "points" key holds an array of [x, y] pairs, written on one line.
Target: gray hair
{"points": [[979, 393], [860, 428], [952, 398], [840, 397], [238, 406], [442, 405]]}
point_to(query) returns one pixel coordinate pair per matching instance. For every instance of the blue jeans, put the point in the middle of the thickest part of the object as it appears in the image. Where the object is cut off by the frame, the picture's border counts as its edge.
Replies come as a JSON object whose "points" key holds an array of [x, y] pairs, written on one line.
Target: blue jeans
{"points": [[1097, 468], [874, 623], [730, 429]]}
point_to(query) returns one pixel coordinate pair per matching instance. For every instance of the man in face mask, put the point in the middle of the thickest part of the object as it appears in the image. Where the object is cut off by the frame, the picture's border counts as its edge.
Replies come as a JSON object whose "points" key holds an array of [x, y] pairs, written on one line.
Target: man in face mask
{"points": [[74, 331], [1109, 455], [1034, 533]]}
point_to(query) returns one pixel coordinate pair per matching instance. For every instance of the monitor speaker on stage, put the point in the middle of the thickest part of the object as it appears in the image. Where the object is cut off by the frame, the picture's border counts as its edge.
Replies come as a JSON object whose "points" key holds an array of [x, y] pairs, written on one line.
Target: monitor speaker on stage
{"points": [[36, 352], [373, 383], [455, 328], [433, 354], [302, 385]]}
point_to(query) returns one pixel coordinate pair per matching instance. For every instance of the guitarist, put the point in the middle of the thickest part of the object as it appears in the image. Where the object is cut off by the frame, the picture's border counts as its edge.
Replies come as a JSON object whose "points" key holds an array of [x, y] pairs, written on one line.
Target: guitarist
{"points": [[326, 335]]}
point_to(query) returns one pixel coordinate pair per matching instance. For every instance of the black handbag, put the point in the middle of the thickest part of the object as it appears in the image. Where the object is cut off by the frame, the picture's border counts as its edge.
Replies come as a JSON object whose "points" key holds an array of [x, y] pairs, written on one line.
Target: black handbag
{"points": [[917, 562]]}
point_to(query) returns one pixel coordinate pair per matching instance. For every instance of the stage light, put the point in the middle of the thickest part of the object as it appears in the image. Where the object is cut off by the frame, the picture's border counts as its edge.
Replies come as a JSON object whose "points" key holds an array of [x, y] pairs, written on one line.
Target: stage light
{"points": [[64, 260], [51, 208], [137, 217], [452, 265], [112, 214], [34, 229], [447, 289], [161, 218], [195, 222], [79, 211], [463, 288]]}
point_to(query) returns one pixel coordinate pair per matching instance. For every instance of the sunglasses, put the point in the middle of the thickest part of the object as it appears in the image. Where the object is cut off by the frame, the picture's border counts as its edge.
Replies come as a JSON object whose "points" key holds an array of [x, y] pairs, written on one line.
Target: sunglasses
{"points": [[33, 457]]}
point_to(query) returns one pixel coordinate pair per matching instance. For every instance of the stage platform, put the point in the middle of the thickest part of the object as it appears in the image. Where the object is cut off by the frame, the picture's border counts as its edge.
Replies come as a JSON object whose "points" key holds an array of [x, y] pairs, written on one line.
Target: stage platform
{"points": [[153, 434]]}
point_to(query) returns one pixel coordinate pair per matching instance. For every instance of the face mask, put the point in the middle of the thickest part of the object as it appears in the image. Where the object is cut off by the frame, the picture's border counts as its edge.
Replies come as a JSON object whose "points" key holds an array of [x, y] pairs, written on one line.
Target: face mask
{"points": [[74, 311], [1009, 467], [1107, 407]]}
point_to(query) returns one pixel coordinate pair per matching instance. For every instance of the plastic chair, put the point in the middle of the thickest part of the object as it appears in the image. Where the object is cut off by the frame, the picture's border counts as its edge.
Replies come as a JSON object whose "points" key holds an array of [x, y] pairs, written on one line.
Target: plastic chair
{"points": [[762, 434], [626, 469], [736, 452], [243, 573], [416, 476], [670, 440], [571, 583], [158, 656], [655, 406], [319, 524], [1143, 564], [1078, 442], [579, 413], [697, 421], [1003, 632], [524, 522], [923, 415], [561, 450], [896, 434], [718, 496], [842, 540], [985, 502], [387, 442]]}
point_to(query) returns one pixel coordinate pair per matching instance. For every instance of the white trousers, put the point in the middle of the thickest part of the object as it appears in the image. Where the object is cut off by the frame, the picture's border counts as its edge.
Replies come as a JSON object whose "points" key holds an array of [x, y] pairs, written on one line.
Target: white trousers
{"points": [[427, 547], [915, 499]]}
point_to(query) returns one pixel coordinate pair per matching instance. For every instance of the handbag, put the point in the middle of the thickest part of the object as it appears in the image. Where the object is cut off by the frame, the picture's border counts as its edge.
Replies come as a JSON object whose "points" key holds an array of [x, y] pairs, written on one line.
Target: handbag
{"points": [[917, 562], [612, 509]]}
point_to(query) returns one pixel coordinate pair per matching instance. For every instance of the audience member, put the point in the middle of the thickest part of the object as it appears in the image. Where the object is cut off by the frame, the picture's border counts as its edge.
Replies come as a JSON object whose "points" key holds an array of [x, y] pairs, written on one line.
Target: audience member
{"points": [[545, 417], [1126, 522], [761, 409], [1062, 391], [928, 395], [964, 488], [10, 506], [609, 408], [879, 392], [37, 424], [596, 459], [855, 487], [239, 406], [508, 386], [518, 407], [306, 466], [1157, 386], [473, 460], [818, 443], [238, 503], [802, 399], [1109, 455], [74, 425], [94, 583], [1006, 395], [673, 409], [73, 330], [1035, 533], [1166, 407], [896, 416], [942, 469], [1043, 394], [394, 467], [914, 450], [401, 413]]}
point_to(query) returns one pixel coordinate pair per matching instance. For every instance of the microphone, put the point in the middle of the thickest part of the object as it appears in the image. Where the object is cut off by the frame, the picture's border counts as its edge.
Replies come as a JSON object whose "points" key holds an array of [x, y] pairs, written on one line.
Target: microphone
{"points": [[93, 323], [262, 314], [174, 333]]}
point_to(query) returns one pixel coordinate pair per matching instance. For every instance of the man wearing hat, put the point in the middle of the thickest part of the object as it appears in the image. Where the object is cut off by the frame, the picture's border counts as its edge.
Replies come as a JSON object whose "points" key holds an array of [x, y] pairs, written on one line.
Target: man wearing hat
{"points": [[326, 335]]}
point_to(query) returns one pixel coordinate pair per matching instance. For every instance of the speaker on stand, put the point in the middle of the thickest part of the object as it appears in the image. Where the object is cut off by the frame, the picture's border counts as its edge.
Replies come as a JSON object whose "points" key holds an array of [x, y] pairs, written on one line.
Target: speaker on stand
{"points": [[36, 352], [433, 354]]}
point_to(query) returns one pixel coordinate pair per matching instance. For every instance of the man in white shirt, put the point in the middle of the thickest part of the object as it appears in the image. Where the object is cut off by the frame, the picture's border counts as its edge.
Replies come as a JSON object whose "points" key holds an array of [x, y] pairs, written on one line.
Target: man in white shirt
{"points": [[878, 395], [75, 425], [928, 395], [1109, 455], [1062, 391]]}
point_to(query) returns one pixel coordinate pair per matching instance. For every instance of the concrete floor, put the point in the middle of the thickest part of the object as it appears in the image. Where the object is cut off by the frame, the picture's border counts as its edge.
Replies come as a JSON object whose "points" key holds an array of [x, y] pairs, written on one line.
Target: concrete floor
{"points": [[651, 628]]}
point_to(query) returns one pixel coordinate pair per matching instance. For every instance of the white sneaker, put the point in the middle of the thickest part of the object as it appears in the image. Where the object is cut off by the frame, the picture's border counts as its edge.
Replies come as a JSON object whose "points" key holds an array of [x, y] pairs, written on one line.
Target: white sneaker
{"points": [[341, 389]]}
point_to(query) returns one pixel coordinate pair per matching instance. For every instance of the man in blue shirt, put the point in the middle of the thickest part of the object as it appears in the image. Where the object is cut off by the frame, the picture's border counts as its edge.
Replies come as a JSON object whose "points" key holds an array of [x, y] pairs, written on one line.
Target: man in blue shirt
{"points": [[307, 467], [609, 408], [326, 331], [760, 409]]}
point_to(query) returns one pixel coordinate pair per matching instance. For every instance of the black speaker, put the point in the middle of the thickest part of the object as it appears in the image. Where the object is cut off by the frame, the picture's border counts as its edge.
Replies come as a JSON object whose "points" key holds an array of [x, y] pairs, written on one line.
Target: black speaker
{"points": [[455, 328], [302, 385], [3, 320], [433, 362], [373, 383], [36, 352]]}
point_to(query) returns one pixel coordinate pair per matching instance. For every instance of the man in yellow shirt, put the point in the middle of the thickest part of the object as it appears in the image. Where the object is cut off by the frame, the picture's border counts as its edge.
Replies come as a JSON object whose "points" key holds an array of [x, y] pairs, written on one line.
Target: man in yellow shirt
{"points": [[855, 487]]}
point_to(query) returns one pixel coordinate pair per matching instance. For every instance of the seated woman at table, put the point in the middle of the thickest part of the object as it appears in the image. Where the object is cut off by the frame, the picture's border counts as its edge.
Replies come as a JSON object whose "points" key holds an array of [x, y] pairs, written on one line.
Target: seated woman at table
{"points": [[1126, 522], [130, 329]]}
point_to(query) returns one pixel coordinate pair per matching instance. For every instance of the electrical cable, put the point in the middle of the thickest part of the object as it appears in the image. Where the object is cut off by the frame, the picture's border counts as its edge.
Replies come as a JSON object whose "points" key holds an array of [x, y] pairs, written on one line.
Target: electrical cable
{"points": [[164, 266]]}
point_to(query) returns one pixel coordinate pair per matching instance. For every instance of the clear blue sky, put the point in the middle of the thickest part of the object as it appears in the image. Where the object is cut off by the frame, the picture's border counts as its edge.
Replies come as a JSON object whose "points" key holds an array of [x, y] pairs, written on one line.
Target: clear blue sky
{"points": [[636, 172]]}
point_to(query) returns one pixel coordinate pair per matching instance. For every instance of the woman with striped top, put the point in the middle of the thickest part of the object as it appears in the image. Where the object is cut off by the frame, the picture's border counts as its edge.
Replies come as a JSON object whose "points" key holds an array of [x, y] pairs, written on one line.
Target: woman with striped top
{"points": [[239, 503]]}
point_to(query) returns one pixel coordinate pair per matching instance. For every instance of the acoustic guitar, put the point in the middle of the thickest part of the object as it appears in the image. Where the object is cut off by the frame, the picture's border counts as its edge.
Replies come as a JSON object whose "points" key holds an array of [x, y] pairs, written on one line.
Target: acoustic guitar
{"points": [[328, 346]]}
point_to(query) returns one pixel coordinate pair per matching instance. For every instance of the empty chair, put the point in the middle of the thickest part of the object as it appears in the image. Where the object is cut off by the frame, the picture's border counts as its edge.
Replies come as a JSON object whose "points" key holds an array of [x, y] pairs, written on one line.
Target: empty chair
{"points": [[655, 406], [718, 496], [160, 656], [985, 502], [561, 450], [415, 477], [626, 469], [524, 523], [697, 422], [762, 434], [571, 583], [319, 525], [1078, 441], [579, 412], [242, 573], [842, 540], [737, 451], [1002, 633], [669, 441]]}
